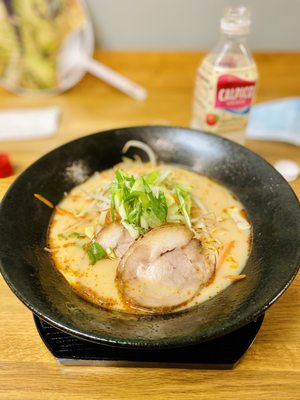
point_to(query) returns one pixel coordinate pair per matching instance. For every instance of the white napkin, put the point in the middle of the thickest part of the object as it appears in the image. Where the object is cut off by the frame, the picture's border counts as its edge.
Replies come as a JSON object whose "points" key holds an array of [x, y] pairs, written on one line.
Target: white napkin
{"points": [[31, 123]]}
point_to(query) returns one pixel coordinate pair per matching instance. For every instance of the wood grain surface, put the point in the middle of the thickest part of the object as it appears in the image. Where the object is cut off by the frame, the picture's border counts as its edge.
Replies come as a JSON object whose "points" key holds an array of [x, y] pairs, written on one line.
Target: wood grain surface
{"points": [[271, 368]]}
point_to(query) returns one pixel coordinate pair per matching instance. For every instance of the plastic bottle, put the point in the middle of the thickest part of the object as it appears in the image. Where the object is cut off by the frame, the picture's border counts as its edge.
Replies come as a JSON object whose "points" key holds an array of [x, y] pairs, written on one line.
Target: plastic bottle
{"points": [[225, 81]]}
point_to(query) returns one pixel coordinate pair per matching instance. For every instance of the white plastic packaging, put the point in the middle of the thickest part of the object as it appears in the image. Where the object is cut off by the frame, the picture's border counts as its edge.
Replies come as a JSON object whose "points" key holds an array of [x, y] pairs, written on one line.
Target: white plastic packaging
{"points": [[46, 47], [225, 81]]}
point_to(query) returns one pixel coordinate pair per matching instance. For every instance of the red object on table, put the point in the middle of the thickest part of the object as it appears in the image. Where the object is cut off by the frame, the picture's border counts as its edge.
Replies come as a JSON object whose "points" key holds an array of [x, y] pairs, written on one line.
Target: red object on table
{"points": [[6, 168]]}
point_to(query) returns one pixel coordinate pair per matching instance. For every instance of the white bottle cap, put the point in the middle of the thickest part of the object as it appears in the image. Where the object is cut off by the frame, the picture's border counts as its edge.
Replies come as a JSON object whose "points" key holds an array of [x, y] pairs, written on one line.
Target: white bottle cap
{"points": [[236, 21]]}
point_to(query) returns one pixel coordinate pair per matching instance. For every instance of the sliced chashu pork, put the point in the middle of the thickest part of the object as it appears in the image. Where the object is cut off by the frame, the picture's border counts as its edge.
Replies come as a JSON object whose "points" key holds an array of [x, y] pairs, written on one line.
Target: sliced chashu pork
{"points": [[115, 237], [164, 269]]}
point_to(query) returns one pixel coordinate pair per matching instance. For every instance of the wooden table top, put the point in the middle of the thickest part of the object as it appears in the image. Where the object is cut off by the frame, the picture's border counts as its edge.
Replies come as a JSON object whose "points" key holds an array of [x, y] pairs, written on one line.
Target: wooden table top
{"points": [[271, 368]]}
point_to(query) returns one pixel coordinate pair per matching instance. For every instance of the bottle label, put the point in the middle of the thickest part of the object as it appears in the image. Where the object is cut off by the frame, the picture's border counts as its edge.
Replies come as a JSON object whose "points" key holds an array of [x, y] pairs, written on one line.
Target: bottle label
{"points": [[223, 97], [234, 94]]}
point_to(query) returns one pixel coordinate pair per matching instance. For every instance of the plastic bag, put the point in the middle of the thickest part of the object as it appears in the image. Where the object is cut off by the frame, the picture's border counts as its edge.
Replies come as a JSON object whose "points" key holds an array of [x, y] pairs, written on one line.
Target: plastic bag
{"points": [[277, 120]]}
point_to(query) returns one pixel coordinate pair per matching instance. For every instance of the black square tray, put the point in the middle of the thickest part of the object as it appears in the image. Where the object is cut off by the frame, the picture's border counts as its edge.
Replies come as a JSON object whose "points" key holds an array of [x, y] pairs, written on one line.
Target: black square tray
{"points": [[222, 353]]}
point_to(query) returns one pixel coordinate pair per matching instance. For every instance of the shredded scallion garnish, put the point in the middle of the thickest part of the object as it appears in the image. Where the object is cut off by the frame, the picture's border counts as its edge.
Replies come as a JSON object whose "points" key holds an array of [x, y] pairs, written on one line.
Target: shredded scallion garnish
{"points": [[147, 201], [95, 252]]}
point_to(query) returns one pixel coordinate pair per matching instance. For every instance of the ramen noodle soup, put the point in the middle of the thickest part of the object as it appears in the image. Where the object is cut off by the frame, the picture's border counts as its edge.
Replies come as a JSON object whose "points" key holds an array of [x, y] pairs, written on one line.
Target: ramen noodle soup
{"points": [[149, 238]]}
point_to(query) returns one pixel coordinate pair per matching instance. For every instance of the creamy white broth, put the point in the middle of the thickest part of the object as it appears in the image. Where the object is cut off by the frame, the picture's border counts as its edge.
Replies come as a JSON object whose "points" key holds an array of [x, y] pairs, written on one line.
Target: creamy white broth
{"points": [[78, 212]]}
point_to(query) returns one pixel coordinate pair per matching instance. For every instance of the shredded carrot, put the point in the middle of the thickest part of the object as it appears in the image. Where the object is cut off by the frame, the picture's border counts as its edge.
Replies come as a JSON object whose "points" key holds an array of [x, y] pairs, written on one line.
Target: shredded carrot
{"points": [[74, 197], [44, 200], [62, 211], [225, 253], [75, 225], [69, 244], [175, 198], [108, 218], [235, 277]]}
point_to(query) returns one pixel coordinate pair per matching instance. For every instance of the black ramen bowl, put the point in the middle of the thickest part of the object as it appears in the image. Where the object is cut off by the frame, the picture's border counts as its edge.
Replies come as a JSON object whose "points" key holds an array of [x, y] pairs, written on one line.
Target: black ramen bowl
{"points": [[268, 199]]}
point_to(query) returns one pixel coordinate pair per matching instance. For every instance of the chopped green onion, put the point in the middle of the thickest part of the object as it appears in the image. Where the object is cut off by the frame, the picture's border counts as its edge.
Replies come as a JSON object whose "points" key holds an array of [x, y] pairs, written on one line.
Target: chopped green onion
{"points": [[112, 208], [95, 252], [152, 177], [148, 201], [111, 253], [185, 205], [77, 235]]}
